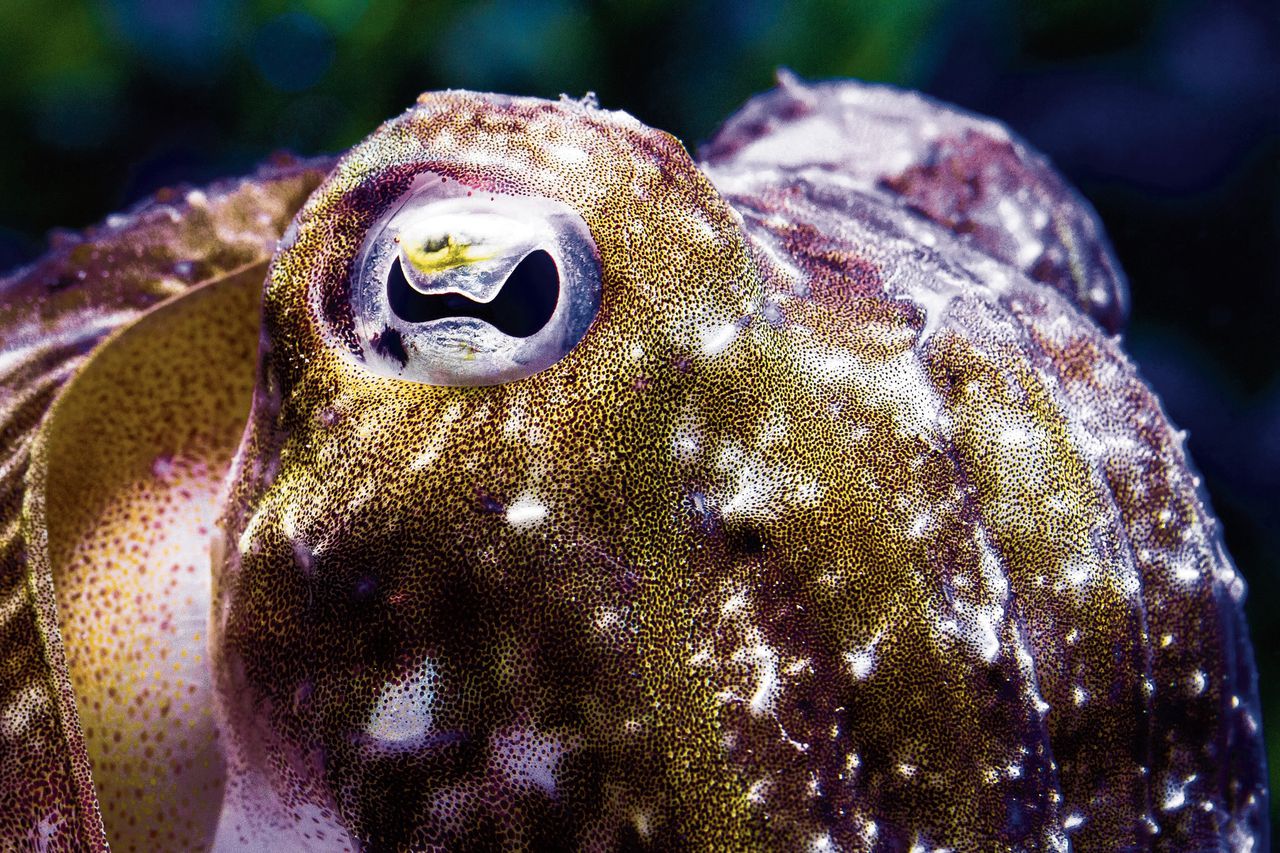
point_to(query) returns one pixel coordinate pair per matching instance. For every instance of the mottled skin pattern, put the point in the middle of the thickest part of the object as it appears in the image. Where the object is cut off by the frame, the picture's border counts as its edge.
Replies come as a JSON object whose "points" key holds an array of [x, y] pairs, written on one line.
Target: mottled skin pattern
{"points": [[846, 526], [52, 315]]}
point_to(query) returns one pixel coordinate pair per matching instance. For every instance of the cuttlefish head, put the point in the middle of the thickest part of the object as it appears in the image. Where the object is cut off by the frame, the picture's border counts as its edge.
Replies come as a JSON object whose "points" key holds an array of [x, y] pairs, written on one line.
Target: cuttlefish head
{"points": [[456, 531]]}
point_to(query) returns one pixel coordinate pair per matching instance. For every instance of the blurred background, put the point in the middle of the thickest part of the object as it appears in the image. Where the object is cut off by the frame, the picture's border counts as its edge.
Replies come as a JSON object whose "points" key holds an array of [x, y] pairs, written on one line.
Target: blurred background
{"points": [[1166, 114]]}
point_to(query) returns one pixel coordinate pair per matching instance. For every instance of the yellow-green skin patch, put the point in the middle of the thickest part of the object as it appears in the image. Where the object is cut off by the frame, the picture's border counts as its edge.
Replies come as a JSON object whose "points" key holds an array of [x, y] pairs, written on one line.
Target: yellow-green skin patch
{"points": [[845, 527]]}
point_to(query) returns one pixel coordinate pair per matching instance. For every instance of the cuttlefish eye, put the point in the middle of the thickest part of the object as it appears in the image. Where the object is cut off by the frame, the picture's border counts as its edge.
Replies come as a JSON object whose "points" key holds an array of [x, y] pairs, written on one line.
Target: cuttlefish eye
{"points": [[457, 287]]}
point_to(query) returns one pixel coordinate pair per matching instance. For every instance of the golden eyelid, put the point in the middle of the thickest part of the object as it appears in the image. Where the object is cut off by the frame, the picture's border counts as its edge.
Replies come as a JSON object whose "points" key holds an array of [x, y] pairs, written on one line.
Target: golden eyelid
{"points": [[439, 254], [436, 244]]}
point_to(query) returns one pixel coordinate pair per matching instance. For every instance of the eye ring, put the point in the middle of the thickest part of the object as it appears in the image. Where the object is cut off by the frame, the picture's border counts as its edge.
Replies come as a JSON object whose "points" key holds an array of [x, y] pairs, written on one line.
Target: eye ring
{"points": [[458, 288]]}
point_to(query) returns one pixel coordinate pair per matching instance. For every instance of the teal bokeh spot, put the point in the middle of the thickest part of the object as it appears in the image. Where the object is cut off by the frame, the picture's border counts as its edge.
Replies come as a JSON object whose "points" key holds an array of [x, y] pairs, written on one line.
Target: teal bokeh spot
{"points": [[293, 51]]}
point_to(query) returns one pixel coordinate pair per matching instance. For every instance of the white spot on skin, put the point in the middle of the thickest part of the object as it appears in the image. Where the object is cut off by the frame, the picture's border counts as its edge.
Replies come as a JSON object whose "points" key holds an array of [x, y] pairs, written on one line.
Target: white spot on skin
{"points": [[933, 302], [992, 572], [1074, 821], [764, 659], [862, 661], [403, 716], [568, 154], [1081, 570], [821, 844], [686, 440], [609, 619], [513, 423], [249, 536], [920, 525], [528, 758], [758, 490], [1011, 217], [526, 512], [1198, 682], [772, 312], [1185, 570], [735, 604], [897, 385], [717, 338], [774, 428], [977, 627], [1175, 794]]}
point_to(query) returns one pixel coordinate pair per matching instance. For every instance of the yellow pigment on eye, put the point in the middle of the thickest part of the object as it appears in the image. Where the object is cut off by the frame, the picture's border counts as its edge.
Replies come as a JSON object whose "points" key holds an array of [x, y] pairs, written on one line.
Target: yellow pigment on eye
{"points": [[437, 254]]}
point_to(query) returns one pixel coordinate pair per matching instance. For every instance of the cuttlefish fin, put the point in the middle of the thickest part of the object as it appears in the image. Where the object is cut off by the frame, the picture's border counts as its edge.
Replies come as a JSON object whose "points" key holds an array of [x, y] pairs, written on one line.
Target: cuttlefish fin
{"points": [[121, 501]]}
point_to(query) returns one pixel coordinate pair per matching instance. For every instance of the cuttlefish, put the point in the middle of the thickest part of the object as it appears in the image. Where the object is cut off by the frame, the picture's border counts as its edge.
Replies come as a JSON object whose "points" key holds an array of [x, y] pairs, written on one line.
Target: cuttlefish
{"points": [[518, 481]]}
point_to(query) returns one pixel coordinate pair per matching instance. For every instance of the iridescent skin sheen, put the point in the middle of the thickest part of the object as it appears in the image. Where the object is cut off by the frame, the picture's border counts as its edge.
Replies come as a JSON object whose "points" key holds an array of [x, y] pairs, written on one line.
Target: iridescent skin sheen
{"points": [[846, 525]]}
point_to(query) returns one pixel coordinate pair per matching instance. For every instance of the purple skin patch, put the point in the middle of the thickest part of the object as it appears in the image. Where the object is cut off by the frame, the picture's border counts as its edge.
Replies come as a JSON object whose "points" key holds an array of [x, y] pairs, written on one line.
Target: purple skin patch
{"points": [[817, 508]]}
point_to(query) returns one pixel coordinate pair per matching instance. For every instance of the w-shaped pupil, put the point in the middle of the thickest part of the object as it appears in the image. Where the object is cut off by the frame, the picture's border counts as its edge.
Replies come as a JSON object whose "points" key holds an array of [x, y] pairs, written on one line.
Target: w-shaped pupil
{"points": [[523, 305]]}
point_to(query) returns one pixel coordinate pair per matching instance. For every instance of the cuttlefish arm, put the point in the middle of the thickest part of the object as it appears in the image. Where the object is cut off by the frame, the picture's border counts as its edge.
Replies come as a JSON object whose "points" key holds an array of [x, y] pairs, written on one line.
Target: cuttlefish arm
{"points": [[1106, 555], [965, 173], [75, 463]]}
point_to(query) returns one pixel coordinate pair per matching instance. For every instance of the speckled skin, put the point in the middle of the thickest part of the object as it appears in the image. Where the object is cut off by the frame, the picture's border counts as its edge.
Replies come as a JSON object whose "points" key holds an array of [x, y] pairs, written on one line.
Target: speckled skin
{"points": [[846, 526], [53, 314]]}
